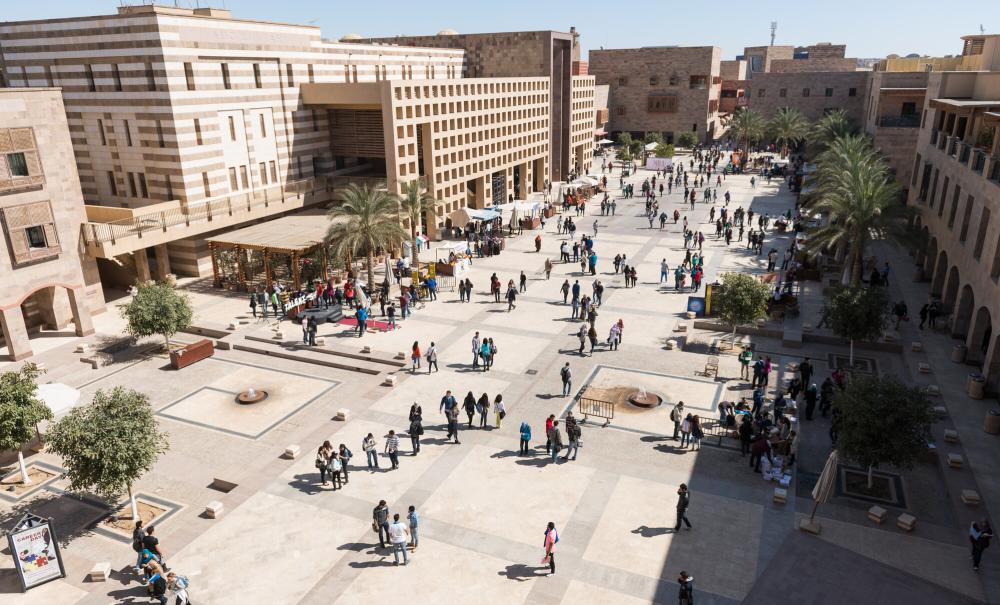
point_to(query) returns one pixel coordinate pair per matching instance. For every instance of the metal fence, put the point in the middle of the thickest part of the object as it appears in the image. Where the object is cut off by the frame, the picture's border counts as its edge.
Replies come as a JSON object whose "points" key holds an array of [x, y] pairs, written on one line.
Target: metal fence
{"points": [[597, 408]]}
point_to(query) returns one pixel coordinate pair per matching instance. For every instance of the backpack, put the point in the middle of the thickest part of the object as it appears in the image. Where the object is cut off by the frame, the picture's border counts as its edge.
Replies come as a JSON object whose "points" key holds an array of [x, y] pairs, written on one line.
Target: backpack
{"points": [[181, 582], [320, 462]]}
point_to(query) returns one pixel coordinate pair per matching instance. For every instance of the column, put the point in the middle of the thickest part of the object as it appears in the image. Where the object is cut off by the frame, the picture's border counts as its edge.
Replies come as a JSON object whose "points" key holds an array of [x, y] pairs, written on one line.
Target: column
{"points": [[82, 322], [141, 265], [15, 333], [162, 261]]}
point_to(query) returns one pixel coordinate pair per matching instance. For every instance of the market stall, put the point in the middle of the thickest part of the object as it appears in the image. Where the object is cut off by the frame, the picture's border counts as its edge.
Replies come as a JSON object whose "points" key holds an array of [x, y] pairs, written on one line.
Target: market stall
{"points": [[655, 163], [452, 259], [525, 213]]}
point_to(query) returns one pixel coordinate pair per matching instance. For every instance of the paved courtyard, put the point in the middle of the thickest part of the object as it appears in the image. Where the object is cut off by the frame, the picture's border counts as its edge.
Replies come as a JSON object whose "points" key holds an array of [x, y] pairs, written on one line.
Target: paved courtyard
{"points": [[284, 538]]}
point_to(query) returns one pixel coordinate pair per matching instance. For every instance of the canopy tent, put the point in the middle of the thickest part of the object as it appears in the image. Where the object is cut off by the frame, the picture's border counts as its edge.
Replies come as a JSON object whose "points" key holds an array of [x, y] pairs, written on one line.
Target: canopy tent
{"points": [[605, 142], [653, 163], [651, 146], [586, 181], [463, 216]]}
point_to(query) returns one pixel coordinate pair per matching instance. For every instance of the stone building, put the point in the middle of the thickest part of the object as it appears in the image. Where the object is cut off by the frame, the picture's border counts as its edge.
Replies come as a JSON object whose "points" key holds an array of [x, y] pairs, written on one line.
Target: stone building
{"points": [[955, 184], [47, 281], [894, 101], [665, 89], [812, 93]]}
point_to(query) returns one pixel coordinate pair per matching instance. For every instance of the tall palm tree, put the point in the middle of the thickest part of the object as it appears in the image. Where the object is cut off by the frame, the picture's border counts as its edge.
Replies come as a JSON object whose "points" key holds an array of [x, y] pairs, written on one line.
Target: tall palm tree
{"points": [[855, 190], [413, 204], [788, 127], [365, 220], [747, 126], [830, 127]]}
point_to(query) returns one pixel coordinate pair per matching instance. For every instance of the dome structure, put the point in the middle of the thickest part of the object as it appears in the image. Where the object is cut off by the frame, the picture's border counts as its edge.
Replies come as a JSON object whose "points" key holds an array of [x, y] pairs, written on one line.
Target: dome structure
{"points": [[447, 32]]}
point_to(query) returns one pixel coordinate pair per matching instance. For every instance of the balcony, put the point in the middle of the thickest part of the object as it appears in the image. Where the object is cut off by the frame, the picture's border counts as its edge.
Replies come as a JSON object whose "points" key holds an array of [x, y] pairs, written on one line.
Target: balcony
{"points": [[995, 169], [979, 161], [965, 151], [909, 121], [953, 143], [934, 136]]}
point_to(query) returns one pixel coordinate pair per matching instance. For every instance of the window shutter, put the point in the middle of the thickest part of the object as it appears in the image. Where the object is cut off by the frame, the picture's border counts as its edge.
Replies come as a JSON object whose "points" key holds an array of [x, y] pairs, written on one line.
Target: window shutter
{"points": [[19, 245], [52, 239], [34, 165]]}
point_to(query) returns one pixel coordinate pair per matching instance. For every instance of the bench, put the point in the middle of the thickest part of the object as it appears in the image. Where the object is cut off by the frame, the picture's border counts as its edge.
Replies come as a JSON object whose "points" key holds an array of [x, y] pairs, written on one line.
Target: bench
{"points": [[877, 514], [906, 522], [970, 497], [780, 495], [951, 435], [292, 452], [711, 367], [213, 510], [100, 572], [192, 353], [955, 460]]}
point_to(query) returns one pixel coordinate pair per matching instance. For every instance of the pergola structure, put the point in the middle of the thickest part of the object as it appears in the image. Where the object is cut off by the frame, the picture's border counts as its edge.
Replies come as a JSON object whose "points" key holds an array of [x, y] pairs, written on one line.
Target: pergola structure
{"points": [[287, 248]]}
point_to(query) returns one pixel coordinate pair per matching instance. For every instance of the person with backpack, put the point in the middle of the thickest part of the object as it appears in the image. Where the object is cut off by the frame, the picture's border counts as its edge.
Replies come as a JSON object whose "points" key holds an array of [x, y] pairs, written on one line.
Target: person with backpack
{"points": [[677, 416], [686, 592], [137, 535], [345, 458], [573, 435], [178, 585], [380, 522], [549, 544], [567, 379], [525, 438]]}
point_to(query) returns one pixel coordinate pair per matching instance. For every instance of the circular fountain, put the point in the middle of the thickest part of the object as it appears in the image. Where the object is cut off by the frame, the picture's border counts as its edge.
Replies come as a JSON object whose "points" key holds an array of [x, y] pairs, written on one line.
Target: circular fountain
{"points": [[251, 396], [644, 399]]}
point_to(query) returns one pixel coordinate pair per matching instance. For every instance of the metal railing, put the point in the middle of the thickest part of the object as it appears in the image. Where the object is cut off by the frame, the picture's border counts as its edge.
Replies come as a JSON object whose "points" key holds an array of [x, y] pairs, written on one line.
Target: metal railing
{"points": [[95, 233], [912, 121], [965, 150], [979, 161], [598, 408]]}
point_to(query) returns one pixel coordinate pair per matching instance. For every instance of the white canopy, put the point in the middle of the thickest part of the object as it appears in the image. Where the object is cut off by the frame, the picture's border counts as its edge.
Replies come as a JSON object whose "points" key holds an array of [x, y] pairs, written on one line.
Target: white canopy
{"points": [[59, 398], [605, 142], [587, 181], [463, 216], [651, 146]]}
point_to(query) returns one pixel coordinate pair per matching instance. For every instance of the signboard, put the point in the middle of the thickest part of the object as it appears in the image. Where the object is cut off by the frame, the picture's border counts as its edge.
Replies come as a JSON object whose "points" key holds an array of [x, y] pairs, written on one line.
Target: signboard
{"points": [[36, 552], [696, 304]]}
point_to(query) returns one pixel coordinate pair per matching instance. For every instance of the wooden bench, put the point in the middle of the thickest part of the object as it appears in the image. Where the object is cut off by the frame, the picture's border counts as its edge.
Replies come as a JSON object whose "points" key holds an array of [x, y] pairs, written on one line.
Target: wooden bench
{"points": [[711, 367], [194, 352]]}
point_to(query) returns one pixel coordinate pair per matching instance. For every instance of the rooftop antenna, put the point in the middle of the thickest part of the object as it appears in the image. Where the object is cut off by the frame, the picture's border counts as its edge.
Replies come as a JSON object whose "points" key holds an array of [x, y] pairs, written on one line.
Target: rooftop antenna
{"points": [[774, 29], [982, 30]]}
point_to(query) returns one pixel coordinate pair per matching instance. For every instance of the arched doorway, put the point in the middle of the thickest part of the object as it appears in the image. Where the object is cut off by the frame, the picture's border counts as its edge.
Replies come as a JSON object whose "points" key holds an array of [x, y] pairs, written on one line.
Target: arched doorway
{"points": [[940, 269], [991, 365], [920, 256], [50, 307], [980, 335], [950, 290], [962, 315], [929, 258]]}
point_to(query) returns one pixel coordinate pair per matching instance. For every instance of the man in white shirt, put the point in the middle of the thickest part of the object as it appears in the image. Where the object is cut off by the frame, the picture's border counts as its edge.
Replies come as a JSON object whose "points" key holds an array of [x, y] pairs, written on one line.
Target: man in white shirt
{"points": [[399, 534]]}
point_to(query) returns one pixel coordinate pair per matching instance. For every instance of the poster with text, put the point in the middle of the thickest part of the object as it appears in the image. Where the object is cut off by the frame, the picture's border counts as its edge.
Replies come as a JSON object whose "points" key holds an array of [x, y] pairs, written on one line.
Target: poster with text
{"points": [[36, 554]]}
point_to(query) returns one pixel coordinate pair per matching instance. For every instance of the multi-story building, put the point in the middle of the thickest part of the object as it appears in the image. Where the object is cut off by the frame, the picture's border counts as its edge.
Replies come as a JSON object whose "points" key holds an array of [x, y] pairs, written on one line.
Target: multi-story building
{"points": [[955, 183], [893, 104], [667, 90], [46, 282]]}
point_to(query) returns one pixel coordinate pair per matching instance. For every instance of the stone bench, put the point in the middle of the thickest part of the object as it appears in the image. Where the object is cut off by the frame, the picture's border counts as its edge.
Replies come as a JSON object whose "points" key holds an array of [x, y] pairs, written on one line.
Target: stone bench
{"points": [[940, 411], [916, 346], [970, 497], [806, 327], [292, 452], [390, 381], [279, 335], [906, 522], [955, 460], [320, 341], [890, 337], [399, 355], [100, 572], [690, 315], [213, 510], [366, 349], [343, 415], [681, 327], [82, 348], [877, 514], [924, 368], [951, 435], [671, 345], [932, 390], [780, 495], [232, 326]]}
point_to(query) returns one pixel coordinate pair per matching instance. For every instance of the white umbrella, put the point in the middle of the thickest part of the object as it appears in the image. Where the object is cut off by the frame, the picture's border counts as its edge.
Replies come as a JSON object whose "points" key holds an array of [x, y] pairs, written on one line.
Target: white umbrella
{"points": [[822, 490], [651, 146], [605, 142], [59, 398]]}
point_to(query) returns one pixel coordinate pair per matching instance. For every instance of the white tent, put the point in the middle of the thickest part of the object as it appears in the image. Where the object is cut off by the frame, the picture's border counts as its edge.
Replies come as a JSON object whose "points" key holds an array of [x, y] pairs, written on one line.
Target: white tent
{"points": [[605, 142], [651, 146], [463, 216], [587, 181]]}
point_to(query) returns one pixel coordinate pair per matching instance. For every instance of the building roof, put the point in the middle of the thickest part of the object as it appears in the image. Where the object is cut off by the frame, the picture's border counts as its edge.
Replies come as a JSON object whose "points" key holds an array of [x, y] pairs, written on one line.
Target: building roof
{"points": [[963, 103], [293, 233]]}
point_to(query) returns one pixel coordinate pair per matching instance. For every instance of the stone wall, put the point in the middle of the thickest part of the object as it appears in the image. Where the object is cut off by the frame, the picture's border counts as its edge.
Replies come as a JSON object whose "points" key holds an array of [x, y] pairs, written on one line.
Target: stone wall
{"points": [[771, 91]]}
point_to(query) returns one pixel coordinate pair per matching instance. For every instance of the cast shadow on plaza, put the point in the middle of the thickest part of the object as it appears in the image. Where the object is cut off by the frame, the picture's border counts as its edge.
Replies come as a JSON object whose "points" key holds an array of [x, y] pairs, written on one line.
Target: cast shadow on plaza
{"points": [[520, 572], [309, 483], [651, 532]]}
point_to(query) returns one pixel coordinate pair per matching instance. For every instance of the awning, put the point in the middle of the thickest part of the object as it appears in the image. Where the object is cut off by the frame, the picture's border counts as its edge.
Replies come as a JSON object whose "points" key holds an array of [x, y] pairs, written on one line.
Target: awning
{"points": [[464, 216], [651, 146], [586, 181], [605, 142]]}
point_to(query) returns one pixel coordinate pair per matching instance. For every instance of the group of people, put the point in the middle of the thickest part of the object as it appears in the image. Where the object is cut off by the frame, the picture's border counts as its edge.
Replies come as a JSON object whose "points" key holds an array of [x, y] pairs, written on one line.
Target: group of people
{"points": [[152, 569]]}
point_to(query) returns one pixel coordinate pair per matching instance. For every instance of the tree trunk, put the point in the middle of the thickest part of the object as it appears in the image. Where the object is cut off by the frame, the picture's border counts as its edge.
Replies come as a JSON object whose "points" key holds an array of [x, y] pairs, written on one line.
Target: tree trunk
{"points": [[24, 470], [371, 271], [870, 468], [851, 359], [132, 503], [414, 257], [166, 340]]}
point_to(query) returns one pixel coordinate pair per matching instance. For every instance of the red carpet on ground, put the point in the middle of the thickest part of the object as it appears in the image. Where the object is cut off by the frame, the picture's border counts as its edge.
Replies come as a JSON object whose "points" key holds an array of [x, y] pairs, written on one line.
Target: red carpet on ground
{"points": [[372, 324]]}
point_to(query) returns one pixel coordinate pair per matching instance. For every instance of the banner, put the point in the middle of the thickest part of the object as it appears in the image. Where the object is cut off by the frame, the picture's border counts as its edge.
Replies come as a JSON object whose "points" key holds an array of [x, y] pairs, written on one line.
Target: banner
{"points": [[35, 551]]}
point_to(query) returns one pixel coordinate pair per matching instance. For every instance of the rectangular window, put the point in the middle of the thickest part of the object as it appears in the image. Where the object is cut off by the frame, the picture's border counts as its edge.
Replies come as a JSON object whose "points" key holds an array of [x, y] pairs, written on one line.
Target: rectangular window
{"points": [[233, 184], [256, 76], [17, 164], [142, 185], [274, 172], [128, 133], [232, 128], [117, 77], [622, 81], [100, 130], [290, 73], [131, 185], [934, 187], [263, 127], [967, 215], [620, 110], [189, 75], [954, 206], [150, 76], [944, 197], [170, 186], [159, 134], [226, 83], [244, 177], [995, 271], [112, 185], [91, 84], [36, 237], [852, 92], [805, 92], [782, 92], [197, 131], [312, 76], [828, 92], [262, 167], [204, 184], [984, 225], [761, 92], [654, 81], [315, 121]]}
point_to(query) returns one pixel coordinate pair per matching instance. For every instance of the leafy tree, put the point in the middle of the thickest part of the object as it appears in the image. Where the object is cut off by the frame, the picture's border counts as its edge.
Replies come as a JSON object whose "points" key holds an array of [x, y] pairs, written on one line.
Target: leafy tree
{"points": [[365, 221], [858, 313], [747, 126], [20, 411], [882, 421], [156, 308], [854, 188], [652, 137], [687, 139], [108, 444], [832, 126], [414, 204], [743, 300], [664, 150], [788, 127]]}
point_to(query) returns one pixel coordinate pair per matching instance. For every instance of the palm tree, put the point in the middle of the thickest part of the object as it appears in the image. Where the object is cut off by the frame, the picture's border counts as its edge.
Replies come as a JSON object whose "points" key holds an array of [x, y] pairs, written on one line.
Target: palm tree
{"points": [[830, 127], [855, 190], [365, 220], [414, 202], [788, 127], [747, 126]]}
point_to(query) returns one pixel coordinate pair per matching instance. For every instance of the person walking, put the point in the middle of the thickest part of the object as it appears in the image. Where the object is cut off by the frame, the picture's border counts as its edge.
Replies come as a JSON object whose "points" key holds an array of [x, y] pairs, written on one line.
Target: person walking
{"points": [[525, 438], [573, 436], [152, 544], [432, 359], [582, 335], [565, 291], [566, 375], [371, 451], [415, 357], [469, 405], [555, 439], [549, 544], [380, 521], [677, 417], [416, 430], [683, 501], [979, 536], [483, 407], [686, 431], [685, 592], [178, 585], [414, 521], [392, 448], [399, 535], [522, 282], [476, 346], [498, 409], [137, 535], [453, 424]]}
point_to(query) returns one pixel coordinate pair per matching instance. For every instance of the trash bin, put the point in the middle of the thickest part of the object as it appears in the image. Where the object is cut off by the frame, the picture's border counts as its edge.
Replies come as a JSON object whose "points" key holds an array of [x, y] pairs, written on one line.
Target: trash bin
{"points": [[992, 422], [958, 353], [976, 385]]}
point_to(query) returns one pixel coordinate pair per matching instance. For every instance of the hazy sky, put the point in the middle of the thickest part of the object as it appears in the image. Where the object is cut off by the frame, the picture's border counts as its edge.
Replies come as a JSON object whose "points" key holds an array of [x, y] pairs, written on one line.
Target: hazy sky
{"points": [[870, 28]]}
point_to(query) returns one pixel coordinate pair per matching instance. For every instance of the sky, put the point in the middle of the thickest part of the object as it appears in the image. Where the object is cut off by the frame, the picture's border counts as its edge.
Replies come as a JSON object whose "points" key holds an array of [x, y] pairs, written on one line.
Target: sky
{"points": [[870, 28]]}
